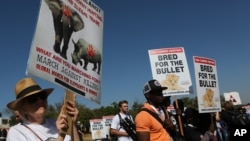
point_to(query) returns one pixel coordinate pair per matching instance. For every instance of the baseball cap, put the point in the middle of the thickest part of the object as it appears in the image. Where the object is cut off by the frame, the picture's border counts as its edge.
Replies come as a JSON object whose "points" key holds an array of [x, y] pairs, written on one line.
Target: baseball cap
{"points": [[153, 86]]}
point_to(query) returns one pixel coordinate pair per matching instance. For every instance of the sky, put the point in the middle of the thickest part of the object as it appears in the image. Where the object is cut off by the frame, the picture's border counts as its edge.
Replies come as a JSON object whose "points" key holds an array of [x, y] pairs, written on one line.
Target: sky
{"points": [[217, 29]]}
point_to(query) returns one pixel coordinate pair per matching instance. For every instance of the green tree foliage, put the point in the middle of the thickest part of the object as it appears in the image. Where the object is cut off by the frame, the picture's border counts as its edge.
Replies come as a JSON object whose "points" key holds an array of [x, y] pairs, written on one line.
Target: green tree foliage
{"points": [[11, 114], [193, 102], [135, 108], [53, 110], [85, 113], [13, 120], [190, 102], [115, 107], [106, 111]]}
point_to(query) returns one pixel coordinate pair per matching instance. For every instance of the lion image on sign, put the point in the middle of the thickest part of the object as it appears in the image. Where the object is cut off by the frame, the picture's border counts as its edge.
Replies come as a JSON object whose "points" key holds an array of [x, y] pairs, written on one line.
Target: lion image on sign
{"points": [[208, 98], [172, 82]]}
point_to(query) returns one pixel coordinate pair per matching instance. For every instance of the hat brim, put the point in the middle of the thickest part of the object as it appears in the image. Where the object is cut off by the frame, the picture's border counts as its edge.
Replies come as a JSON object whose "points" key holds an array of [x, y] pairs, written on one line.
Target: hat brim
{"points": [[160, 89], [14, 104], [164, 88]]}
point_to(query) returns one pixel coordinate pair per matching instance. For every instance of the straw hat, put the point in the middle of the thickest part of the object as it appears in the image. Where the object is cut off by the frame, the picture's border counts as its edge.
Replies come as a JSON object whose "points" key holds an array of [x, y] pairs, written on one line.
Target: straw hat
{"points": [[24, 88]]}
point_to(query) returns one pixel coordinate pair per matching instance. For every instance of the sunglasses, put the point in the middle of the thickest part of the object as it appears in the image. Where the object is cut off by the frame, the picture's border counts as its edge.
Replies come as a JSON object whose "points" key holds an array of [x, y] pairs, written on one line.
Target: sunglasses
{"points": [[157, 93], [34, 98]]}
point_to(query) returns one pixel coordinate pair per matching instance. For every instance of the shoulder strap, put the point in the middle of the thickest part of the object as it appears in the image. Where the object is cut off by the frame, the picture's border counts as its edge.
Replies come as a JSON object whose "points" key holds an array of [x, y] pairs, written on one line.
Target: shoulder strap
{"points": [[130, 117], [153, 114], [167, 116], [32, 132], [120, 118]]}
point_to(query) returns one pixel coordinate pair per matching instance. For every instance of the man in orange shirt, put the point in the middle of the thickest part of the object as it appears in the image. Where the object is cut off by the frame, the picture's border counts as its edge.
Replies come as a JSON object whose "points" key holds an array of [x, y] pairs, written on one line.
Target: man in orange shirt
{"points": [[149, 127]]}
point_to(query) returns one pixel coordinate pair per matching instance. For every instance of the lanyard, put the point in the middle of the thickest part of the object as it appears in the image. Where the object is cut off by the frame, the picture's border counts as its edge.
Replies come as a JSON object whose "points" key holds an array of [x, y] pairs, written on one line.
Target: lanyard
{"points": [[33, 132]]}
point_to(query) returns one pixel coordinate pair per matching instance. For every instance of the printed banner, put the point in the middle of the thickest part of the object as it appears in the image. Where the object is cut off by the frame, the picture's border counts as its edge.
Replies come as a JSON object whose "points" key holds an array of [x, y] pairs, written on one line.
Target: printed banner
{"points": [[234, 97], [207, 85], [171, 109], [107, 123], [169, 66], [97, 129], [67, 46]]}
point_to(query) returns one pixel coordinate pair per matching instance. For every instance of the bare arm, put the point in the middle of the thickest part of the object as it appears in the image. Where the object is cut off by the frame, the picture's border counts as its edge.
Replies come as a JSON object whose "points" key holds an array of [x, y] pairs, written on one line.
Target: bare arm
{"points": [[143, 136], [62, 123], [75, 134], [217, 116], [118, 133], [73, 112]]}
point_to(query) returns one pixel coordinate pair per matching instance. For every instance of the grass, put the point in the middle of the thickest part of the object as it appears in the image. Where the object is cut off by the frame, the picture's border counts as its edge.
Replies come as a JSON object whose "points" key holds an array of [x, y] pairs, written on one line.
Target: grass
{"points": [[87, 137]]}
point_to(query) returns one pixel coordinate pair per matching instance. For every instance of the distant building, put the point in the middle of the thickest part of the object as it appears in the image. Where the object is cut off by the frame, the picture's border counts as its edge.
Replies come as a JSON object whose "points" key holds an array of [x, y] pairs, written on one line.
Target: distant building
{"points": [[4, 122]]}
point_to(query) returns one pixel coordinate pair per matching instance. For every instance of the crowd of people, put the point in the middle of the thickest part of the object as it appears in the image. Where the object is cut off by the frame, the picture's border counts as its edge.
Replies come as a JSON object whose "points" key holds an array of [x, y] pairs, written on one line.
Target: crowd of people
{"points": [[152, 123]]}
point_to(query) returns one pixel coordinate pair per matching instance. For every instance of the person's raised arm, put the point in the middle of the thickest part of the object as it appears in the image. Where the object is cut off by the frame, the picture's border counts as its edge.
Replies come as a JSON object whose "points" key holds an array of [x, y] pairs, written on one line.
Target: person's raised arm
{"points": [[62, 122], [73, 112]]}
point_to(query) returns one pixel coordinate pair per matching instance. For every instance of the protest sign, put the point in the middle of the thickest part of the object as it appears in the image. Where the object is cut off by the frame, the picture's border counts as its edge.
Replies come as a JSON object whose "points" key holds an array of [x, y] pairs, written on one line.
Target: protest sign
{"points": [[107, 124], [234, 97], [97, 129], [67, 46], [169, 66], [207, 85]]}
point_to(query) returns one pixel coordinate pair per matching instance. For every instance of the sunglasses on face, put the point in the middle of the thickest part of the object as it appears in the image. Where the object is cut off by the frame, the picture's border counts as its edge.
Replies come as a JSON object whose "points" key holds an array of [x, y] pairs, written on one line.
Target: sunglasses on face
{"points": [[34, 98], [157, 93]]}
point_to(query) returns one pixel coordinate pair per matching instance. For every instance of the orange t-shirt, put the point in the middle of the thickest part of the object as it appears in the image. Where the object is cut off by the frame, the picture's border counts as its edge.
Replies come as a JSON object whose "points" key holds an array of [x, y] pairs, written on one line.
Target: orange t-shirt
{"points": [[147, 123]]}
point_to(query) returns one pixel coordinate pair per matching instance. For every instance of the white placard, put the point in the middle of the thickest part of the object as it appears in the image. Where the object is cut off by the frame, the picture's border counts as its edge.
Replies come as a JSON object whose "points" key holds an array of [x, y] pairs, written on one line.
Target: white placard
{"points": [[107, 123], [234, 97], [169, 66], [67, 46], [207, 85], [97, 129]]}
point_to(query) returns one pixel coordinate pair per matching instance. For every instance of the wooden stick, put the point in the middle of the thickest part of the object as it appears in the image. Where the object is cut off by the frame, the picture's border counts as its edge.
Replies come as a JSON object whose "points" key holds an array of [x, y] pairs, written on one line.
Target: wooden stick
{"points": [[179, 116]]}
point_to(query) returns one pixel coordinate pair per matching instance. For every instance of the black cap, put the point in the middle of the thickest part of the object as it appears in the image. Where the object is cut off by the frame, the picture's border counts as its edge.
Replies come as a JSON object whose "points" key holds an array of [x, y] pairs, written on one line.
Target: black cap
{"points": [[153, 85]]}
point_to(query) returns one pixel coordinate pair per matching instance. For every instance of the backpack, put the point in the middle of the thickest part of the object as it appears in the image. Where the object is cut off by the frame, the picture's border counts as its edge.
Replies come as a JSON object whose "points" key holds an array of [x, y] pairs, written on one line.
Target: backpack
{"points": [[239, 118]]}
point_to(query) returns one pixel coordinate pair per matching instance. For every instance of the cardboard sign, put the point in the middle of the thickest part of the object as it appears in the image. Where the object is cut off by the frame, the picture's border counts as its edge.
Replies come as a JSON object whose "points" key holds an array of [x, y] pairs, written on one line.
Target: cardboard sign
{"points": [[67, 46], [97, 129], [207, 85], [234, 97], [169, 66]]}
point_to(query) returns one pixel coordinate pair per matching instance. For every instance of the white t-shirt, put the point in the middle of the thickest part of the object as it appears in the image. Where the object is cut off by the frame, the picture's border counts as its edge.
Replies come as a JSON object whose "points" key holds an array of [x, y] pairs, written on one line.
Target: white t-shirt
{"points": [[115, 124], [47, 132]]}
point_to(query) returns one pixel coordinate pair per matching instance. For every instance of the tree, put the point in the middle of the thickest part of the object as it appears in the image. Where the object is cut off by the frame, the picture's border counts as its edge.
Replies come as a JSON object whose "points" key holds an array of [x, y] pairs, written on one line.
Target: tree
{"points": [[190, 102], [84, 115], [53, 110], [135, 108]]}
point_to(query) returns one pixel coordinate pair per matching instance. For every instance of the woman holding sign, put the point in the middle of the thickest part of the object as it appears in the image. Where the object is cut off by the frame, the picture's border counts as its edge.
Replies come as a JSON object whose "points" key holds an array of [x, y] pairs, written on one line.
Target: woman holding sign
{"points": [[31, 102]]}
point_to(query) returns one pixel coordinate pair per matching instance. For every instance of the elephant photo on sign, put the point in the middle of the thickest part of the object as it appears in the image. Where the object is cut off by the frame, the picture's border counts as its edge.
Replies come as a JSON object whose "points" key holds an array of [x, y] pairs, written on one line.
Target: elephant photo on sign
{"points": [[66, 21], [87, 52]]}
